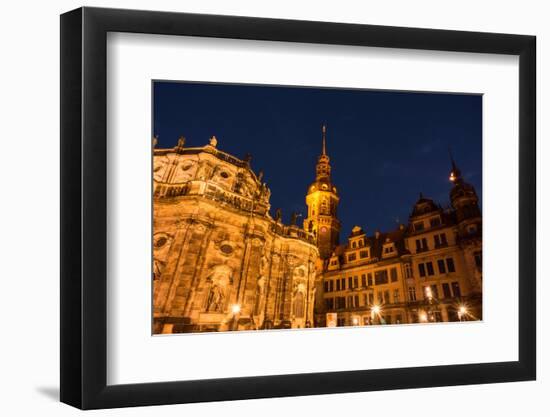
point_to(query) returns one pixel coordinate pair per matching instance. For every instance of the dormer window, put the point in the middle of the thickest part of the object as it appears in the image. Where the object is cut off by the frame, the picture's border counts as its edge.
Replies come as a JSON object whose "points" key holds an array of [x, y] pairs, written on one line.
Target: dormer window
{"points": [[389, 250], [435, 221], [418, 226], [364, 254], [352, 257]]}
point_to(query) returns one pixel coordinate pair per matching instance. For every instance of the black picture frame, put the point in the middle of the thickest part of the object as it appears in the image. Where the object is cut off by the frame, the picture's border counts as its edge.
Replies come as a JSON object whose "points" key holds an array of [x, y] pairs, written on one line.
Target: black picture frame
{"points": [[84, 207]]}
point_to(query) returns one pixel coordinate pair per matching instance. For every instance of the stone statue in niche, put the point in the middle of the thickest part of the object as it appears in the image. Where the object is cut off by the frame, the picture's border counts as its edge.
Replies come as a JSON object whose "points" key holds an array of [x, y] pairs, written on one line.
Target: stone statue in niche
{"points": [[161, 248], [260, 291], [220, 280], [215, 299], [204, 171]]}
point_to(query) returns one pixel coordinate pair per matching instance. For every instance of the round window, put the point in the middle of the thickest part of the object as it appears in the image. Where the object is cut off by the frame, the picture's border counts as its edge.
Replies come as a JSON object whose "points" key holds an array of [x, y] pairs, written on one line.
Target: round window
{"points": [[224, 174], [160, 242], [227, 249]]}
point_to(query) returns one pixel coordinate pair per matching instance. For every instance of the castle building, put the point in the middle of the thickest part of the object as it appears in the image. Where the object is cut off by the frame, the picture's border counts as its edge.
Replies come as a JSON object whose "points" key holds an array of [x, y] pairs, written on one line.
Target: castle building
{"points": [[220, 261], [426, 271]]}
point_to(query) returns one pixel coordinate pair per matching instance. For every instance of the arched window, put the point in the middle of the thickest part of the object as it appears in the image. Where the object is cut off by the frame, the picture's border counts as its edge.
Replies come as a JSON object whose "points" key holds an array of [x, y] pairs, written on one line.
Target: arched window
{"points": [[299, 305]]}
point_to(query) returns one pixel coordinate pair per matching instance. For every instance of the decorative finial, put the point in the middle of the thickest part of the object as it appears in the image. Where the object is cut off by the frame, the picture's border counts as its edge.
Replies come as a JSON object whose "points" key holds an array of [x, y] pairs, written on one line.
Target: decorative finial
{"points": [[213, 141], [155, 141], [324, 138], [260, 175], [247, 157], [181, 141], [278, 214], [421, 196]]}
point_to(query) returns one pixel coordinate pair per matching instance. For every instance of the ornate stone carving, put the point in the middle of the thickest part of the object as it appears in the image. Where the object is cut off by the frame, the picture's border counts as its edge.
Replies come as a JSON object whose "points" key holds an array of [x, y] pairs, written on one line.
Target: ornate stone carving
{"points": [[220, 278]]}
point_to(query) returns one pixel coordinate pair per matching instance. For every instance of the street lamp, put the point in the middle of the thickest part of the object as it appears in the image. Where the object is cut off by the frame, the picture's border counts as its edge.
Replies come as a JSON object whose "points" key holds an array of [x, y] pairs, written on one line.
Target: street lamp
{"points": [[375, 311], [423, 316], [235, 309], [462, 311], [429, 293]]}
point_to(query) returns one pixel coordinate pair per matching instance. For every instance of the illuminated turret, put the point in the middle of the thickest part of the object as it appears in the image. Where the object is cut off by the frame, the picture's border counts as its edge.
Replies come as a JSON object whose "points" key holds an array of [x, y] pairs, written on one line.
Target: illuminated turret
{"points": [[322, 202]]}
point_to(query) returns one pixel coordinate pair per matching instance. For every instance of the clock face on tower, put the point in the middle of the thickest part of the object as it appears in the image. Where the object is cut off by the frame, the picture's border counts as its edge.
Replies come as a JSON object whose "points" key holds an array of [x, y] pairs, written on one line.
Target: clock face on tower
{"points": [[323, 229]]}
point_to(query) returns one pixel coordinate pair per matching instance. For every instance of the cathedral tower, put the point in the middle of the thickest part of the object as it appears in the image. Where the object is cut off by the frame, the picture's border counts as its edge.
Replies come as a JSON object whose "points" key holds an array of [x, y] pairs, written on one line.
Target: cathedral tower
{"points": [[322, 201]]}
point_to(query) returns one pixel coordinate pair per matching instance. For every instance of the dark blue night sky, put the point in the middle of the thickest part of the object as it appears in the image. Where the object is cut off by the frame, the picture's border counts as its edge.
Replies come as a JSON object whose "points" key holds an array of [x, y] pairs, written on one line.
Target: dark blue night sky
{"points": [[385, 147]]}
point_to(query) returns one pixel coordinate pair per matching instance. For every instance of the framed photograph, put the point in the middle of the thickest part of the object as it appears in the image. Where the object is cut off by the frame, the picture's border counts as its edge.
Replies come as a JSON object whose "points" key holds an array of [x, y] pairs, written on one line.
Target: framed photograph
{"points": [[257, 208]]}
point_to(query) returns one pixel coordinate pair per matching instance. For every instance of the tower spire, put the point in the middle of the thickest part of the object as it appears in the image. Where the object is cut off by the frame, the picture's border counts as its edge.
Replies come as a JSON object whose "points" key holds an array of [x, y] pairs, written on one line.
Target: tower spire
{"points": [[456, 175], [324, 129]]}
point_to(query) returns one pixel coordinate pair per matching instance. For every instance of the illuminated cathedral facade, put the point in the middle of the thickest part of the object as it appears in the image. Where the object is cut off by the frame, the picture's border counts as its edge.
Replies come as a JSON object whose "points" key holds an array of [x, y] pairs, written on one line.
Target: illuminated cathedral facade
{"points": [[222, 262]]}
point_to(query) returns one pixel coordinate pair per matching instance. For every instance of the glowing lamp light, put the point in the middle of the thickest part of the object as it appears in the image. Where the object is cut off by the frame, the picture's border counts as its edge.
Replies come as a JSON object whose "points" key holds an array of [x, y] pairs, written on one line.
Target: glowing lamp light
{"points": [[355, 321], [376, 309], [423, 317], [235, 308], [452, 177]]}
